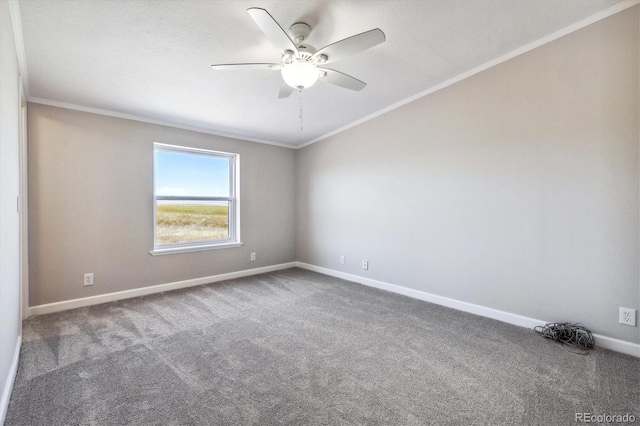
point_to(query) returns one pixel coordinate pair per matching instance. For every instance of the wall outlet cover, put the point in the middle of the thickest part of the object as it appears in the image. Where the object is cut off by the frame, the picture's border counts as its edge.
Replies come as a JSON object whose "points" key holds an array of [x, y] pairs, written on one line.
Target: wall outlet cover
{"points": [[88, 279], [627, 316]]}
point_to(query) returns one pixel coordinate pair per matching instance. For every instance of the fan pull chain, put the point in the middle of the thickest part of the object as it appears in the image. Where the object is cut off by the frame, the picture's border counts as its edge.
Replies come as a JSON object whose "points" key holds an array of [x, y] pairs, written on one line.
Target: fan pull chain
{"points": [[300, 98]]}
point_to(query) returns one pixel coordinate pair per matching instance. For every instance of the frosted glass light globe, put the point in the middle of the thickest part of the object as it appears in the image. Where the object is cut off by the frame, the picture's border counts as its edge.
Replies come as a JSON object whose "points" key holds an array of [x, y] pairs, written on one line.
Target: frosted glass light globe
{"points": [[300, 74]]}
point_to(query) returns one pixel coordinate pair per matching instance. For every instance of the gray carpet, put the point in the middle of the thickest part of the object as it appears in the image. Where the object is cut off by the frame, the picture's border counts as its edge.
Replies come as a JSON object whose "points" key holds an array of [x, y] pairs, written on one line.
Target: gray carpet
{"points": [[300, 348]]}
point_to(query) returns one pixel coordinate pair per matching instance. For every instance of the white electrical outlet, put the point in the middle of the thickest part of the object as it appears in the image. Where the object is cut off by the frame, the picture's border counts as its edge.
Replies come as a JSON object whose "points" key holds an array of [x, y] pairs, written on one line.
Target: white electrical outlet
{"points": [[253, 256], [342, 260], [627, 316], [88, 279], [365, 265]]}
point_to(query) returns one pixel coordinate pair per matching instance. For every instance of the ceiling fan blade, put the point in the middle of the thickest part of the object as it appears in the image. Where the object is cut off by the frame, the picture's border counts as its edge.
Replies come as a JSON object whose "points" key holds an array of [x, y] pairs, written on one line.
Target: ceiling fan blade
{"points": [[343, 80], [246, 67], [272, 29], [285, 91], [352, 45]]}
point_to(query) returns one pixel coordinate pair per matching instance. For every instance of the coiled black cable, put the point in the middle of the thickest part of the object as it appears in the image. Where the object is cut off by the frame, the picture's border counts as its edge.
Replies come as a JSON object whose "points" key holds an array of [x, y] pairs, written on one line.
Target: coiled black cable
{"points": [[568, 334]]}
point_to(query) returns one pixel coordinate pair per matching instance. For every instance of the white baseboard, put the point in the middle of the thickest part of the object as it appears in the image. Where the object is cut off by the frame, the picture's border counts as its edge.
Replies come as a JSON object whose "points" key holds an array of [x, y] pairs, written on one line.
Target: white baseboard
{"points": [[606, 342], [617, 345], [144, 291], [8, 385], [611, 343]]}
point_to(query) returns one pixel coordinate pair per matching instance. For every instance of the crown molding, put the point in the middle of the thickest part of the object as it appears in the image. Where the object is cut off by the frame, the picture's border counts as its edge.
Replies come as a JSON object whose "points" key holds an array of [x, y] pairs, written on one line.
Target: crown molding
{"points": [[521, 50], [16, 24], [109, 113]]}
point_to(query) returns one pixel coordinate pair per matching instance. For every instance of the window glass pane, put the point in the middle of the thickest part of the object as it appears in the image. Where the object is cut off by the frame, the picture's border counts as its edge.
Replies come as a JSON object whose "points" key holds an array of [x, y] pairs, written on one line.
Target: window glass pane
{"points": [[183, 221], [191, 174]]}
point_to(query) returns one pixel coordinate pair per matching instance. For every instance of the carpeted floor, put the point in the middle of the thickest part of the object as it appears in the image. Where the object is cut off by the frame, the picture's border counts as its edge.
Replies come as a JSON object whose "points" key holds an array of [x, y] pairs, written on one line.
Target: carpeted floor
{"points": [[300, 348]]}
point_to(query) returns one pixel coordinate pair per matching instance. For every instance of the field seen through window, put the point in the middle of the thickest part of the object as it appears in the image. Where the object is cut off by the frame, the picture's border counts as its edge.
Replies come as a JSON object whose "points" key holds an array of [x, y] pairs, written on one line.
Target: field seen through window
{"points": [[182, 223]]}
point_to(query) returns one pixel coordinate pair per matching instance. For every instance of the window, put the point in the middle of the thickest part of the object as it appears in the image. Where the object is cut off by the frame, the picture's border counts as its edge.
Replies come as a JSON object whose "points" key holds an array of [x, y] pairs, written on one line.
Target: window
{"points": [[195, 199]]}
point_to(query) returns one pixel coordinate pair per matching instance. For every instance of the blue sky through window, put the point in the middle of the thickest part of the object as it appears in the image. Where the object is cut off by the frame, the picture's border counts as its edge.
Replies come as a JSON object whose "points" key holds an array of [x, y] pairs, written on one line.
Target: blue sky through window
{"points": [[190, 174]]}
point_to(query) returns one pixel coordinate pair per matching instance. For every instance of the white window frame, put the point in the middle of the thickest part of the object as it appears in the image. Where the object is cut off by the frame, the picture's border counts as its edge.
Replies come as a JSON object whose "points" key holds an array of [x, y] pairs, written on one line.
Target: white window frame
{"points": [[233, 200]]}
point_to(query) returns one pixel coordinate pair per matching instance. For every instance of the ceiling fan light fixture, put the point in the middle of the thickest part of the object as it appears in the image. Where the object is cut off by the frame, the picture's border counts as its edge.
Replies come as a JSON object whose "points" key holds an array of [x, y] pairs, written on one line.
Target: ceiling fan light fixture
{"points": [[301, 64], [300, 74]]}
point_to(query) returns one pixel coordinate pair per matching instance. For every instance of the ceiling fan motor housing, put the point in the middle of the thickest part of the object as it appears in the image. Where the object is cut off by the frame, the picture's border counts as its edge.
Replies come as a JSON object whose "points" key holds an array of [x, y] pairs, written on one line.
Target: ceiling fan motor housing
{"points": [[305, 51]]}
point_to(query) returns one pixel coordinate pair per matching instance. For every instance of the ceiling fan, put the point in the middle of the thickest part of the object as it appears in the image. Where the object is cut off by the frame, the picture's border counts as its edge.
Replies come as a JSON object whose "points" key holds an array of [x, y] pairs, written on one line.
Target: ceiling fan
{"points": [[302, 64]]}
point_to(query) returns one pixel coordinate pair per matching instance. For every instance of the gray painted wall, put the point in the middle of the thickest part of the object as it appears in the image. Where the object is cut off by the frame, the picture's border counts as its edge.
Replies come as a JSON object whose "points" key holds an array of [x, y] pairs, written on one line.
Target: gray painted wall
{"points": [[91, 205], [9, 190], [516, 189]]}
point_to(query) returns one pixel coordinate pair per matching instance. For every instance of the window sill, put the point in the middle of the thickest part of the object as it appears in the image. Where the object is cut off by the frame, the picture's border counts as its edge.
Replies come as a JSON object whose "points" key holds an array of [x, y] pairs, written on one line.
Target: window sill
{"points": [[174, 250]]}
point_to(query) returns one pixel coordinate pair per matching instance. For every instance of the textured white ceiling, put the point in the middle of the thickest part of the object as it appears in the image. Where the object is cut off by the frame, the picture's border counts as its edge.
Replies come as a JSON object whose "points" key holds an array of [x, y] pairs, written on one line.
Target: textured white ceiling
{"points": [[152, 58]]}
